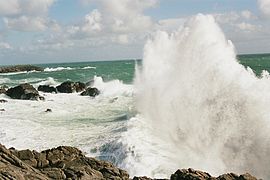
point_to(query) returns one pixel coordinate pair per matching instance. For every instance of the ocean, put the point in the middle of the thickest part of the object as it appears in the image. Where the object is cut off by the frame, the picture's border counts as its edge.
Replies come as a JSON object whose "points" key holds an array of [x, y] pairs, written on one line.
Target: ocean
{"points": [[191, 102]]}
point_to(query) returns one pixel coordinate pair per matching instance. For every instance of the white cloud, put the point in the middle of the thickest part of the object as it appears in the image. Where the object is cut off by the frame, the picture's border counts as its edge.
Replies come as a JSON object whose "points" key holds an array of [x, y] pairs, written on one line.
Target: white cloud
{"points": [[247, 27], [264, 6], [4, 45], [9, 7], [247, 14], [92, 22], [27, 15], [25, 23]]}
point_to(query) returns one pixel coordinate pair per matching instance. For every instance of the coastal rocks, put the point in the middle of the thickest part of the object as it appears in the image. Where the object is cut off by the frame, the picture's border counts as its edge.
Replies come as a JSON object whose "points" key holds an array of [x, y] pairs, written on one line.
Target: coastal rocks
{"points": [[91, 92], [48, 110], [63, 162], [70, 87], [19, 68], [191, 174], [3, 101], [24, 91], [47, 89]]}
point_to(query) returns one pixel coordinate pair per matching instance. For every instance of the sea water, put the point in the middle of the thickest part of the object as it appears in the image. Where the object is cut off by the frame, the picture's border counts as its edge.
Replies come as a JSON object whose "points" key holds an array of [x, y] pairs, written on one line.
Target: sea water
{"points": [[191, 102]]}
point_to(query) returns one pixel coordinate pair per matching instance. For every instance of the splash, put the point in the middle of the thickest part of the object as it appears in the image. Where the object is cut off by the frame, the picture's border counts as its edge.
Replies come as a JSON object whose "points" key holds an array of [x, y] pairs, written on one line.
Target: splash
{"points": [[198, 106]]}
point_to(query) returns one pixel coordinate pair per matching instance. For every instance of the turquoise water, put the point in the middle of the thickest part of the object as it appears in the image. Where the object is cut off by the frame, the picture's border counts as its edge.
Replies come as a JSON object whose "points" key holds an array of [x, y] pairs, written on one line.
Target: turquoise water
{"points": [[108, 70]]}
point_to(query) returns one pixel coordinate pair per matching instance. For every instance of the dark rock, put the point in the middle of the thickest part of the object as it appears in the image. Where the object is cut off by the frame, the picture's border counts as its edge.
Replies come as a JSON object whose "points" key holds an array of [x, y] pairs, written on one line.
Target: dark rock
{"points": [[66, 162], [91, 92], [24, 91], [48, 110], [19, 68], [70, 87], [79, 86], [3, 101], [47, 89], [1, 110]]}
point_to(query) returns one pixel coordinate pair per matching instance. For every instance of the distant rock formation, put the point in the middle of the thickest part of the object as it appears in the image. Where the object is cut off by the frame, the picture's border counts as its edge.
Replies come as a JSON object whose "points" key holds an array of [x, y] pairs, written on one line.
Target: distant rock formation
{"points": [[24, 91], [65, 162], [20, 68]]}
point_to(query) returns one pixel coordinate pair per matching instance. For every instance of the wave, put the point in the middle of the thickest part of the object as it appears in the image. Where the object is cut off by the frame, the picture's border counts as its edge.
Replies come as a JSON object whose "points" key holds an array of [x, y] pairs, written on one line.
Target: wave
{"points": [[15, 73], [89, 67], [198, 106], [58, 69]]}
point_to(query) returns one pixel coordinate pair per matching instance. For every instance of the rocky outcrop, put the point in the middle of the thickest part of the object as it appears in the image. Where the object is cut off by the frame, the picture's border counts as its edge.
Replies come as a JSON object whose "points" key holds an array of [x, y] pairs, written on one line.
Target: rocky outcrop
{"points": [[47, 89], [191, 174], [19, 68], [63, 162], [24, 91], [91, 92], [70, 87]]}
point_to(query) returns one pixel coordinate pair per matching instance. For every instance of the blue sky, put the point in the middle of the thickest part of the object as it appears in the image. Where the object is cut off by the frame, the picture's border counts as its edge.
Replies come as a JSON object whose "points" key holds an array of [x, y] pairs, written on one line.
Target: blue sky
{"points": [[46, 31]]}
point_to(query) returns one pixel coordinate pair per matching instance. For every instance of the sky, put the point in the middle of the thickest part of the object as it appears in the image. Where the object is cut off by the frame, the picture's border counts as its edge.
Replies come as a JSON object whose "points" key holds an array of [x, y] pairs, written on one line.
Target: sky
{"points": [[50, 31]]}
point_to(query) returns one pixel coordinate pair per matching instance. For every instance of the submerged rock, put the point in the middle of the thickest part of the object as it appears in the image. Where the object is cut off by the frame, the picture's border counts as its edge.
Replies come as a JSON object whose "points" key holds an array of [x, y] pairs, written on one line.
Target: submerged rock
{"points": [[48, 110], [47, 89], [70, 87], [91, 92], [3, 101], [24, 91], [19, 68]]}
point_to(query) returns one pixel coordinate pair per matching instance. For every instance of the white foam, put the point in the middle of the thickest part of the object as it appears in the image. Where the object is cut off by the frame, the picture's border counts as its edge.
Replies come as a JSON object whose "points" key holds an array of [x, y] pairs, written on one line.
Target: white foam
{"points": [[200, 107], [58, 69], [89, 67]]}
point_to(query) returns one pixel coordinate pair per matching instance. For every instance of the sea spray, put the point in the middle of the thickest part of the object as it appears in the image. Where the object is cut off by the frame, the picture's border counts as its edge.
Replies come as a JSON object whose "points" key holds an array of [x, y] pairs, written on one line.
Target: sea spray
{"points": [[198, 106]]}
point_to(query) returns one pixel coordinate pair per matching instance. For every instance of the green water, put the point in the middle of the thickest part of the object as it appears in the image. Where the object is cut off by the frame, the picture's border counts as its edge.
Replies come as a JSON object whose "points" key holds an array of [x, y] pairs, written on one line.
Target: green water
{"points": [[109, 70]]}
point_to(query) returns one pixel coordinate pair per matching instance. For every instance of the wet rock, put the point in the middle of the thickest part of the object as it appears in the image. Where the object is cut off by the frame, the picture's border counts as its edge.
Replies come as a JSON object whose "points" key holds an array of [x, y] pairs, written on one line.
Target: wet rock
{"points": [[70, 87], [91, 92], [19, 68], [3, 101], [3, 90], [66, 162], [24, 91], [48, 110], [47, 89], [2, 110]]}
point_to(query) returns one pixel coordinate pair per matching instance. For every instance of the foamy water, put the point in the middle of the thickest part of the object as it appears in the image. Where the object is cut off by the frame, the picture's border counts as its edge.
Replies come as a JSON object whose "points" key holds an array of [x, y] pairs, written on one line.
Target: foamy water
{"points": [[198, 106]]}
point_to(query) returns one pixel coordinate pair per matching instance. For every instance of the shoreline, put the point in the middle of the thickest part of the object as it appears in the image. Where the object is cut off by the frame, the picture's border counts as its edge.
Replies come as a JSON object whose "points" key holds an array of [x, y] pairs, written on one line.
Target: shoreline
{"points": [[65, 162]]}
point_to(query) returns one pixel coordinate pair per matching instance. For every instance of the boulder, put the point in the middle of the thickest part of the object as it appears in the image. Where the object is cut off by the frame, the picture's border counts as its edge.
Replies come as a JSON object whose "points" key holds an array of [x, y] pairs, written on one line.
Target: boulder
{"points": [[24, 91], [47, 89], [70, 87], [91, 92]]}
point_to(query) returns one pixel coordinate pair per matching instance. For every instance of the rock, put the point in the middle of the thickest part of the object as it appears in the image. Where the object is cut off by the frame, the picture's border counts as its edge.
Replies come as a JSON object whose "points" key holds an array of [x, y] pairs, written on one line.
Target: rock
{"points": [[3, 90], [47, 89], [19, 68], [65, 162], [24, 91], [3, 101], [70, 87], [91, 92], [2, 110], [79, 86], [48, 110]]}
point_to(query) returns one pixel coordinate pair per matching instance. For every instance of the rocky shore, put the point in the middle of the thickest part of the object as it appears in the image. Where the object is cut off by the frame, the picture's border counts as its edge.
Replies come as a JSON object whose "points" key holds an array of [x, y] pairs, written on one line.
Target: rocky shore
{"points": [[66, 162], [20, 68]]}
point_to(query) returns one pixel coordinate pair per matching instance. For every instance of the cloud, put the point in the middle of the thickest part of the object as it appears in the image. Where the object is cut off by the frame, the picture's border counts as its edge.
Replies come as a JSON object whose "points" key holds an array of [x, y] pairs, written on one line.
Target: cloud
{"points": [[264, 6], [26, 15], [92, 22], [4, 45], [26, 23], [247, 27]]}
